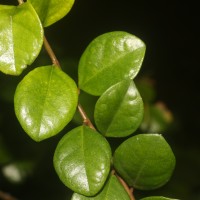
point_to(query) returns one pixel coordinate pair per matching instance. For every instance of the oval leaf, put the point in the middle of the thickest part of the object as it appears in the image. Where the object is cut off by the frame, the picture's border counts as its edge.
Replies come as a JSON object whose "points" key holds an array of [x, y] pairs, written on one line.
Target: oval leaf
{"points": [[119, 111], [109, 59], [82, 160], [51, 11], [113, 190], [145, 161], [21, 37], [45, 101], [157, 198]]}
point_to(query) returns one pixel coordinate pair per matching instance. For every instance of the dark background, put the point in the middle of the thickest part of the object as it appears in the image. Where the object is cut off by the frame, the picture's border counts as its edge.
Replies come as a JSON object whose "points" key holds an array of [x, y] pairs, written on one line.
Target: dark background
{"points": [[170, 31]]}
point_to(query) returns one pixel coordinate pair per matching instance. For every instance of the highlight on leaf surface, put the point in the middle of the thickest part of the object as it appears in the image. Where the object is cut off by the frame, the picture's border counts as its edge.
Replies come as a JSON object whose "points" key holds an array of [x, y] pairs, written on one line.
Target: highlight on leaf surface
{"points": [[21, 37], [82, 160], [51, 11], [113, 190], [45, 102], [119, 110], [145, 161], [157, 198], [109, 59]]}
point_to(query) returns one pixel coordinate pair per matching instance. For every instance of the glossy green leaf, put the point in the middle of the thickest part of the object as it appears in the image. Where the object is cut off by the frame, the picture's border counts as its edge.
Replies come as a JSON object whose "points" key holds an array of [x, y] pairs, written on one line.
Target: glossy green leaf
{"points": [[157, 198], [109, 59], [50, 11], [119, 111], [145, 161], [82, 160], [21, 37], [113, 190], [45, 101]]}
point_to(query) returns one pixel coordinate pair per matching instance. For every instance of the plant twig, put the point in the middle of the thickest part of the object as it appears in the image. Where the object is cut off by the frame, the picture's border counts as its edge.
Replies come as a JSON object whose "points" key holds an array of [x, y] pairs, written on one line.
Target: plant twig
{"points": [[51, 53], [85, 118], [55, 61], [126, 187], [6, 196], [128, 190]]}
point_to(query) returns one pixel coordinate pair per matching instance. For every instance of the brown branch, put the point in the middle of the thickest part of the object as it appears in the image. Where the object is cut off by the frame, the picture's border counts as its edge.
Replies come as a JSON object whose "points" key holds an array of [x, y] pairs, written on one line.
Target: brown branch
{"points": [[6, 196], [86, 121], [126, 187], [55, 61], [51, 53], [85, 118]]}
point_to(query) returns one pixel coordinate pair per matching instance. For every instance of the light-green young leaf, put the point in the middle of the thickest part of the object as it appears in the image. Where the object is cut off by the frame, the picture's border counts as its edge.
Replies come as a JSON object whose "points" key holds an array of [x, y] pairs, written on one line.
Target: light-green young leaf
{"points": [[51, 11], [82, 160], [145, 161], [45, 102], [109, 59], [21, 37], [119, 111], [113, 190]]}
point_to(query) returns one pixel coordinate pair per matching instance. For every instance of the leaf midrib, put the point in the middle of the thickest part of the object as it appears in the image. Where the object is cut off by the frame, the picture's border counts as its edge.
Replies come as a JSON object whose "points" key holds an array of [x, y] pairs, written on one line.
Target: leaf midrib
{"points": [[83, 153], [109, 66], [116, 111], [45, 101]]}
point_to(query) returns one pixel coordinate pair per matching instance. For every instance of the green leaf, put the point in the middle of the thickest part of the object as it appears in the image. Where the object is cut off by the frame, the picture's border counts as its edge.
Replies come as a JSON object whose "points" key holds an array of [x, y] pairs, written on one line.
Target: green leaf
{"points": [[82, 160], [119, 111], [51, 11], [113, 190], [21, 37], [157, 198], [145, 161], [109, 59], [45, 101]]}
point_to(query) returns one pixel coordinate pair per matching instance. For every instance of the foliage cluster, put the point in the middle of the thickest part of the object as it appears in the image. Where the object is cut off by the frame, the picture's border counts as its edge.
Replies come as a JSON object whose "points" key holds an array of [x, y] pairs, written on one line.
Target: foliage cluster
{"points": [[47, 99]]}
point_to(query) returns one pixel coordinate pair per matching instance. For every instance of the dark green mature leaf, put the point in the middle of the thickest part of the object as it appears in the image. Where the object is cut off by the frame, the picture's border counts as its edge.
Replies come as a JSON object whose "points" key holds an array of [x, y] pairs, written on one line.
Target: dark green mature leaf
{"points": [[21, 37], [109, 59], [157, 198], [113, 190], [45, 101], [82, 160], [119, 111], [51, 11], [145, 161]]}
